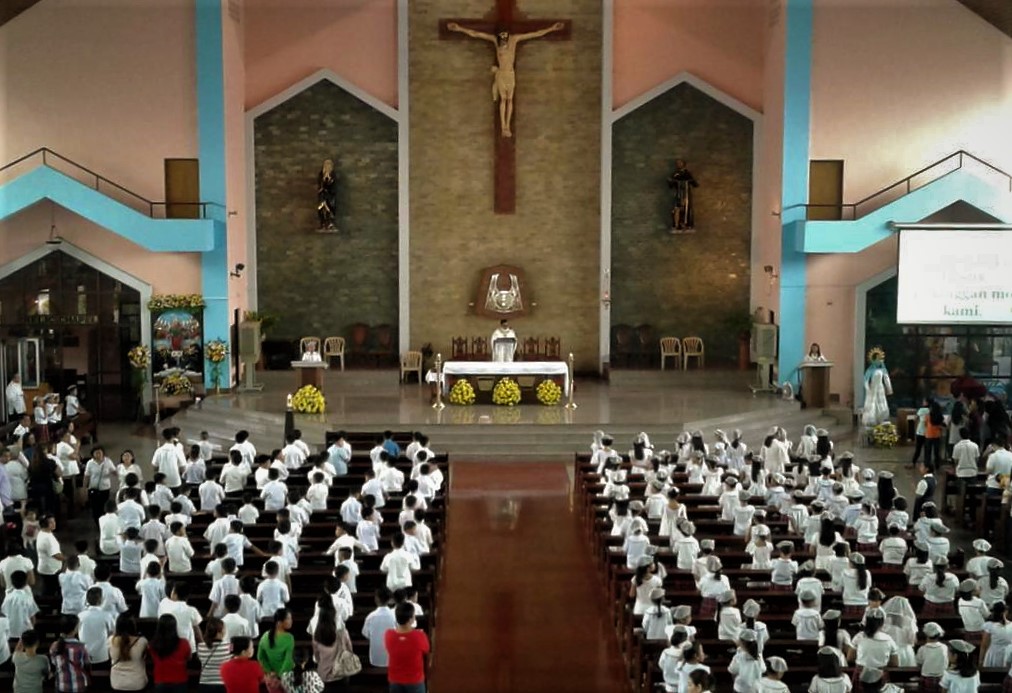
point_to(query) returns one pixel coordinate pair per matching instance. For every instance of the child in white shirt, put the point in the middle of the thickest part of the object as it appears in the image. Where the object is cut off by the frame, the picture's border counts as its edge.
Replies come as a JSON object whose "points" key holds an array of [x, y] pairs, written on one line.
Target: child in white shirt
{"points": [[152, 590], [893, 547], [658, 617], [368, 531], [73, 586], [398, 564], [373, 487], [19, 605], [972, 609], [272, 593], [807, 620], [784, 567], [178, 550], [155, 529], [130, 548], [196, 467], [347, 559], [318, 492], [211, 495], [274, 493], [227, 584], [248, 513], [109, 529]]}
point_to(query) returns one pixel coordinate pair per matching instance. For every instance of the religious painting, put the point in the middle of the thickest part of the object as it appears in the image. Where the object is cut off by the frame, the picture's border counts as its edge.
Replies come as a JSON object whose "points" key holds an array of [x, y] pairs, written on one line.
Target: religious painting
{"points": [[502, 293], [177, 340]]}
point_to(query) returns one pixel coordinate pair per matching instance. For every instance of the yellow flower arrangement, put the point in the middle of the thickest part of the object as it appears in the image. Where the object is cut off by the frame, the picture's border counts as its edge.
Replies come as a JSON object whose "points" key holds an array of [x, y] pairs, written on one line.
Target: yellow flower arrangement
{"points": [[506, 393], [177, 384], [217, 351], [549, 393], [161, 302], [140, 356], [885, 435], [462, 393], [309, 400], [876, 354]]}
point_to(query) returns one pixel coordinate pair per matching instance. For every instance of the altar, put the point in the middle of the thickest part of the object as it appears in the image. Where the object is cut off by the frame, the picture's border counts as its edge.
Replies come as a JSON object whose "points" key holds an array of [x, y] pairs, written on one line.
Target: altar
{"points": [[453, 370]]}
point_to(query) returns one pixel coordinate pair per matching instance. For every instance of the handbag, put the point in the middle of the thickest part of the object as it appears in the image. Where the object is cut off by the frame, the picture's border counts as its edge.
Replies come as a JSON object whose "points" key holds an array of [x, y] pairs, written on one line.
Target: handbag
{"points": [[347, 664]]}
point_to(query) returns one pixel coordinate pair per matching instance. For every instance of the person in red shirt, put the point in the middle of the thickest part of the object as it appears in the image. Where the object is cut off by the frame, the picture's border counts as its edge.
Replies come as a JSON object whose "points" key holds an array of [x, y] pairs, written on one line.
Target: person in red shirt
{"points": [[406, 648], [170, 655], [242, 673]]}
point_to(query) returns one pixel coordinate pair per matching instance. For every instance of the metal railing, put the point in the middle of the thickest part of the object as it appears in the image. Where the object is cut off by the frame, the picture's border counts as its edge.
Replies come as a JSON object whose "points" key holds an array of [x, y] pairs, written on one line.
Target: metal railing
{"points": [[84, 175], [855, 210]]}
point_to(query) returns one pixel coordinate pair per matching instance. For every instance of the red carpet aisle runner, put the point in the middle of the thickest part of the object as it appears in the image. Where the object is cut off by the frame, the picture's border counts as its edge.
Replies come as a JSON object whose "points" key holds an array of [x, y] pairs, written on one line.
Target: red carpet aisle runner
{"points": [[520, 607]]}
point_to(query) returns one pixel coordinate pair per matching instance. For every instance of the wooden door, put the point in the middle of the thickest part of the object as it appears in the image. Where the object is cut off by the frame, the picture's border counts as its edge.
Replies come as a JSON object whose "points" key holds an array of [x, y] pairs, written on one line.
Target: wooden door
{"points": [[825, 187], [182, 188]]}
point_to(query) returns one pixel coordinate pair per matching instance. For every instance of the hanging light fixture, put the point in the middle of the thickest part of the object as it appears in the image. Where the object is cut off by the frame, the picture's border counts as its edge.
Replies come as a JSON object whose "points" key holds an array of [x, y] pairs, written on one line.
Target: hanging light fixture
{"points": [[54, 238]]}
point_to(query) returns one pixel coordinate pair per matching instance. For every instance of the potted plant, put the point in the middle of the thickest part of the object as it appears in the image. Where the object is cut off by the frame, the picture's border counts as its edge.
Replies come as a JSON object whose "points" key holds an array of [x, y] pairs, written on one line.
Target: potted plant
{"points": [[739, 324]]}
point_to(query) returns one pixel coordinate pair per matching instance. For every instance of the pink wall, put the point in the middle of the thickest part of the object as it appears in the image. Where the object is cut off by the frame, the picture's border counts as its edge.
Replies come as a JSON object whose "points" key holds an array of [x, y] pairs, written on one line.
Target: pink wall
{"points": [[110, 85], [287, 40], [721, 41], [166, 272], [942, 83], [889, 102], [235, 153]]}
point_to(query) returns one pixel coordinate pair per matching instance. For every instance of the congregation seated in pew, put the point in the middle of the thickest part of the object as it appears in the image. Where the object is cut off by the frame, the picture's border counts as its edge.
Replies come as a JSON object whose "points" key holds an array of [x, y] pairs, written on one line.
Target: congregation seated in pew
{"points": [[223, 552], [810, 576]]}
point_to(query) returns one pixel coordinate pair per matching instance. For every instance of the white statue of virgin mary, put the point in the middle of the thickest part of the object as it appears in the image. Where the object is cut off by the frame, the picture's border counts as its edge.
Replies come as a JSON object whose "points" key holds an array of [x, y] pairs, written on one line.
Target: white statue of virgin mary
{"points": [[876, 387]]}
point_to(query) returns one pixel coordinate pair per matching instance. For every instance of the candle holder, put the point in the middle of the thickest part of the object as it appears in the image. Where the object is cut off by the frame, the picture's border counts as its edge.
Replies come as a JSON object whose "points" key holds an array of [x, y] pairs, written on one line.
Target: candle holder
{"points": [[572, 383], [439, 405]]}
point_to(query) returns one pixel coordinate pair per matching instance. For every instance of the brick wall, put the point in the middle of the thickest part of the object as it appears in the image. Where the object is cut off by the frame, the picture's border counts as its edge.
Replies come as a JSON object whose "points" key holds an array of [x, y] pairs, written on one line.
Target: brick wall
{"points": [[320, 283], [686, 284], [554, 234]]}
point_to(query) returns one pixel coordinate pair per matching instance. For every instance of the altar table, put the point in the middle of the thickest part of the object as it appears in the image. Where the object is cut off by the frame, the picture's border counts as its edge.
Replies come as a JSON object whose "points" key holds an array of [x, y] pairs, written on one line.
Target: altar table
{"points": [[513, 369]]}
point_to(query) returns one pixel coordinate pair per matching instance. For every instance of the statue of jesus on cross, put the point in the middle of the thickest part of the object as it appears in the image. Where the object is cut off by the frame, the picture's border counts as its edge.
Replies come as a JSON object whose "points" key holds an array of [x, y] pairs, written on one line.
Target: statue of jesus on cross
{"points": [[504, 80]]}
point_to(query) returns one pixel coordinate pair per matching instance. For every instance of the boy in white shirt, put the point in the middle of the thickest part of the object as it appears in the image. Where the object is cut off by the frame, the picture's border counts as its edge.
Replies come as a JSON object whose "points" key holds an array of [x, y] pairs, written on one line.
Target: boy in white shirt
{"points": [[342, 539], [74, 586], [217, 530], [235, 625], [162, 495], [112, 599], [373, 487], [211, 495], [422, 530], [427, 485], [318, 492], [398, 564], [412, 542], [109, 528], [19, 605], [391, 478], [368, 531], [272, 593], [152, 590], [965, 455], [376, 624], [130, 512], [234, 474], [237, 543], [178, 550], [226, 585], [187, 617], [176, 515], [206, 446], [249, 607], [130, 548], [196, 467], [155, 529], [351, 509], [245, 448], [274, 493], [347, 559], [95, 626], [150, 555], [248, 513], [293, 455]]}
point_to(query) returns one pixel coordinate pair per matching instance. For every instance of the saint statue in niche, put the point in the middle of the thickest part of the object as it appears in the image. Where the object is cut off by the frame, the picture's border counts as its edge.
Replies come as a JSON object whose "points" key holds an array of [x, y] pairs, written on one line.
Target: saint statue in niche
{"points": [[681, 183], [326, 196]]}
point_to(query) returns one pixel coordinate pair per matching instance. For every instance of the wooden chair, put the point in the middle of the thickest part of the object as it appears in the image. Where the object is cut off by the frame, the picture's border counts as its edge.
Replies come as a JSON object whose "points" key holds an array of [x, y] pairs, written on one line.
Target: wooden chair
{"points": [[621, 345], [458, 348], [692, 347], [306, 341], [553, 348], [671, 347], [334, 346], [479, 349], [411, 362], [532, 349], [383, 347], [645, 341]]}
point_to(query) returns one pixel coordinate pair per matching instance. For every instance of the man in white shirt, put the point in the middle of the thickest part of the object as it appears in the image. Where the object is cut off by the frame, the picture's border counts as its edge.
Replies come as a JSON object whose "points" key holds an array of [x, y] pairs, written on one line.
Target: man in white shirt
{"points": [[965, 455], [377, 623], [95, 626], [98, 474], [169, 460], [72, 405], [15, 396], [245, 448], [999, 463], [24, 426], [398, 564], [187, 617]]}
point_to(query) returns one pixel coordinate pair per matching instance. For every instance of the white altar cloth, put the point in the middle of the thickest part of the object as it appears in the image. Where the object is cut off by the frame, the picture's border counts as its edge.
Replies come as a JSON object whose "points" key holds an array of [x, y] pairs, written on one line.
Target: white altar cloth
{"points": [[514, 368]]}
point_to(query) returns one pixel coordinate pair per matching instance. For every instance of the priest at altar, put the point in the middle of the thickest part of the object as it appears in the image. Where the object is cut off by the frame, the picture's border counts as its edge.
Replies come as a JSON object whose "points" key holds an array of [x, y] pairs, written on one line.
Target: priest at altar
{"points": [[503, 342]]}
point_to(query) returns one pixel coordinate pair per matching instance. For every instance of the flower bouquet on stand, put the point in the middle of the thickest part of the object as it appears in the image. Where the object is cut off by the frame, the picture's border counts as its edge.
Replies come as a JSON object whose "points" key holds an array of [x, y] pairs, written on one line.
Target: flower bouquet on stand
{"points": [[506, 393], [309, 400], [549, 393], [217, 353], [885, 435], [462, 393]]}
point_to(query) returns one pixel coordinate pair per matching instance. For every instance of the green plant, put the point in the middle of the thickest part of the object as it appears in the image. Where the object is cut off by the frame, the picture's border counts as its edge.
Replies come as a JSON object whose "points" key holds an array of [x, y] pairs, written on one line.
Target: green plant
{"points": [[266, 320]]}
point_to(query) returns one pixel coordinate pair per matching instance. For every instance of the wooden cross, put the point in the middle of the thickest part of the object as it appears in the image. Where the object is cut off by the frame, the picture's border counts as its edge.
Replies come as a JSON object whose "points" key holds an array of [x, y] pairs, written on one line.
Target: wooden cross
{"points": [[505, 18]]}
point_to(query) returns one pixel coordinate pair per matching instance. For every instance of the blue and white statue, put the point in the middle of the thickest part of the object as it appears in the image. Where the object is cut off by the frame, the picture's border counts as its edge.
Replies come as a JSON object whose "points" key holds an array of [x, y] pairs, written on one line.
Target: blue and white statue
{"points": [[876, 387]]}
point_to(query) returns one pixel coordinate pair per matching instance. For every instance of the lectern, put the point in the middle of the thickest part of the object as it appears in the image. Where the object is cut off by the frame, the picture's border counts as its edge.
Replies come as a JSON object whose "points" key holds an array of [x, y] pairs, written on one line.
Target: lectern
{"points": [[310, 372], [815, 383], [504, 349]]}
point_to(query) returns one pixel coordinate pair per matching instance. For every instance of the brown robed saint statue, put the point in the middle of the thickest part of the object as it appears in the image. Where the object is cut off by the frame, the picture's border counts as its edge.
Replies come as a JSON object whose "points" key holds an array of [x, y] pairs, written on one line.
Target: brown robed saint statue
{"points": [[505, 30]]}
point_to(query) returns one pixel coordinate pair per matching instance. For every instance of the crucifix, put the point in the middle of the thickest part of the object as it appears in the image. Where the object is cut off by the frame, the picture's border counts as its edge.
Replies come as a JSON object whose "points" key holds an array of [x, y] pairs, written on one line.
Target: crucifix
{"points": [[505, 28]]}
